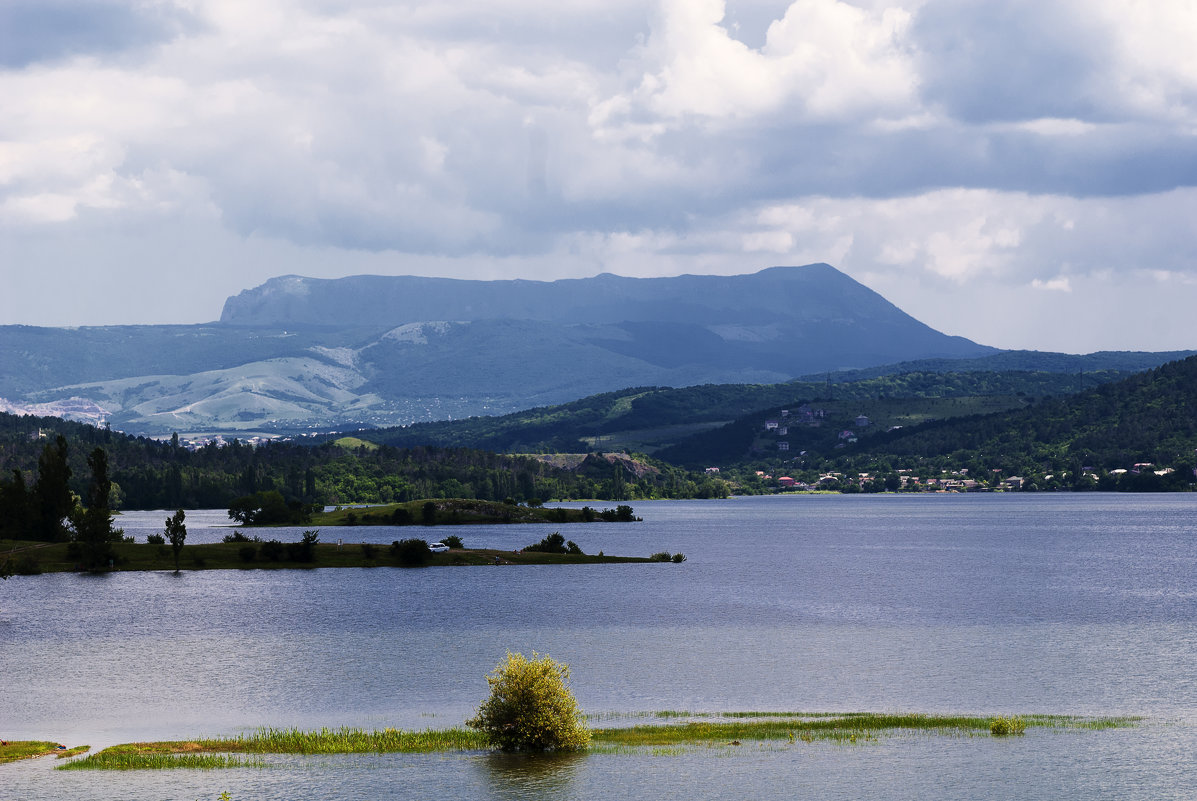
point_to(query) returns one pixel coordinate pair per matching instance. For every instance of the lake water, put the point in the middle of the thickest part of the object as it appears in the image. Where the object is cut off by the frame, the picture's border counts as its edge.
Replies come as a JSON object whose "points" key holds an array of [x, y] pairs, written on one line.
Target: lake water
{"points": [[993, 604]]}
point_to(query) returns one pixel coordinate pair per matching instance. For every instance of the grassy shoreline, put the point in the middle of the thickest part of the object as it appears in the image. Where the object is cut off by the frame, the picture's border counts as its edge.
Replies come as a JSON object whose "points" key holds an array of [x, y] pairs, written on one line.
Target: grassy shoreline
{"points": [[731, 729], [41, 557], [13, 750]]}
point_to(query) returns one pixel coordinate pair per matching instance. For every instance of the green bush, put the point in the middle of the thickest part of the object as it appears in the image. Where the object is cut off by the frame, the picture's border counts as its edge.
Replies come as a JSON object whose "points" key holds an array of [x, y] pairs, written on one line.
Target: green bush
{"points": [[530, 707], [305, 549], [453, 541], [155, 539], [678, 558], [411, 552], [273, 550], [662, 556], [1004, 727], [554, 543]]}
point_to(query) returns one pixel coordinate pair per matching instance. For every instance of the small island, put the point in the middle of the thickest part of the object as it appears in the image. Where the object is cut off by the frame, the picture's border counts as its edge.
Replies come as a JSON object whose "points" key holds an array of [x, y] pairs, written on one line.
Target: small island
{"points": [[464, 511], [239, 551]]}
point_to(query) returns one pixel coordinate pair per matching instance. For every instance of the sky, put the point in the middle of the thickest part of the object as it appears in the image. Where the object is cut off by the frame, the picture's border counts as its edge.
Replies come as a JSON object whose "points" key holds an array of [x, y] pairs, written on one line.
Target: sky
{"points": [[1019, 172]]}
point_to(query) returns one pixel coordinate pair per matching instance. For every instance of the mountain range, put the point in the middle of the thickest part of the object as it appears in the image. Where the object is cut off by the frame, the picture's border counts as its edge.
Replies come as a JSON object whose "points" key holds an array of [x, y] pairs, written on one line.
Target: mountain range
{"points": [[299, 354]]}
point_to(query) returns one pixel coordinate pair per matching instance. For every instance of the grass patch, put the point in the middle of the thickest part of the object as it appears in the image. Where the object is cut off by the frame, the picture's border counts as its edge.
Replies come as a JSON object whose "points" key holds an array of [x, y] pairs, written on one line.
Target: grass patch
{"points": [[108, 759], [846, 728], [73, 752], [12, 750], [667, 739]]}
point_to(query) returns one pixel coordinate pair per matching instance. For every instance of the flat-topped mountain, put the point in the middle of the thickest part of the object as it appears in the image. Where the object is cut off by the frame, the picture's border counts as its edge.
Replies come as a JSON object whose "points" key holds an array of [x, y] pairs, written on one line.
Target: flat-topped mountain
{"points": [[784, 321], [785, 296], [298, 353]]}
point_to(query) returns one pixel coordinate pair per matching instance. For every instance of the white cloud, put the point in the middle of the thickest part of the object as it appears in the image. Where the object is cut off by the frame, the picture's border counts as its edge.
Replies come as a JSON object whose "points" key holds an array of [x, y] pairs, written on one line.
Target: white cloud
{"points": [[955, 155], [1060, 284], [823, 59]]}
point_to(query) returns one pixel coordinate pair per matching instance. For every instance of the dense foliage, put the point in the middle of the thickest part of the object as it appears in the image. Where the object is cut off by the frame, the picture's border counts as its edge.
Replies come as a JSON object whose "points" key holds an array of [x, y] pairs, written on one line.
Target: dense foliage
{"points": [[147, 474], [530, 707], [664, 414], [1137, 434]]}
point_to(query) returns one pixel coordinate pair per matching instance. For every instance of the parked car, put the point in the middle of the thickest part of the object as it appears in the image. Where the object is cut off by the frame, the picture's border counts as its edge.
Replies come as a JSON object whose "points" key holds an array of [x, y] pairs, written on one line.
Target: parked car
{"points": [[438, 547]]}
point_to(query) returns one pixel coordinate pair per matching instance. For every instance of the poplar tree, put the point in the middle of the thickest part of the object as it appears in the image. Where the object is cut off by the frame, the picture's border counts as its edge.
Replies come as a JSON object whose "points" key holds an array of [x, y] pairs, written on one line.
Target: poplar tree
{"points": [[93, 525], [176, 533], [52, 500]]}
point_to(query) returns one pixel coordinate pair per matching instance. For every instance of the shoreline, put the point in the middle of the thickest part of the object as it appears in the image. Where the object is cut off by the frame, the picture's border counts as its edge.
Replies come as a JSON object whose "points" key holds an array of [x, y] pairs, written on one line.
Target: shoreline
{"points": [[34, 558]]}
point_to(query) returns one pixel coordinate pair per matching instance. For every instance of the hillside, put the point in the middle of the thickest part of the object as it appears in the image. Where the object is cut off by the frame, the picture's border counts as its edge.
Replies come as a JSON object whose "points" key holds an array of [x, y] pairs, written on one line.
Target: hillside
{"points": [[299, 354], [162, 475], [649, 419], [1137, 433]]}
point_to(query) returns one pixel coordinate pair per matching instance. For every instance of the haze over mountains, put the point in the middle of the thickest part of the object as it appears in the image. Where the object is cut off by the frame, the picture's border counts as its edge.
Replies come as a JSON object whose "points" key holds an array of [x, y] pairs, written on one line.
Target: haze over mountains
{"points": [[299, 353]]}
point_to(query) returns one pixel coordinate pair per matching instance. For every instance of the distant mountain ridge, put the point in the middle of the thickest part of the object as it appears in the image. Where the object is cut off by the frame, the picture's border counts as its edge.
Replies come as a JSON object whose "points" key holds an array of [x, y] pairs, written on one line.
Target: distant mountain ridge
{"points": [[299, 354], [815, 293]]}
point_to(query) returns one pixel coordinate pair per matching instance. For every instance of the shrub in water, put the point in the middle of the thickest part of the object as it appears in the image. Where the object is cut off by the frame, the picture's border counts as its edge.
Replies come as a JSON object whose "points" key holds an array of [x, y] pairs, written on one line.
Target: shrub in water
{"points": [[662, 556], [678, 558], [530, 707], [453, 541]]}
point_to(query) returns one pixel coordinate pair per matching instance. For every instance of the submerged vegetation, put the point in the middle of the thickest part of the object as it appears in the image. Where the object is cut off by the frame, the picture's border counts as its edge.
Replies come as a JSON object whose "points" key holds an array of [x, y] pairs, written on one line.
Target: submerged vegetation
{"points": [[691, 730]]}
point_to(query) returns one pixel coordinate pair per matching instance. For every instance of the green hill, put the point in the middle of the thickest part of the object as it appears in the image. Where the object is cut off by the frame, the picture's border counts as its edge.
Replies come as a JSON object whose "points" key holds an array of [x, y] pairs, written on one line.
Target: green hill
{"points": [[676, 423], [1138, 433]]}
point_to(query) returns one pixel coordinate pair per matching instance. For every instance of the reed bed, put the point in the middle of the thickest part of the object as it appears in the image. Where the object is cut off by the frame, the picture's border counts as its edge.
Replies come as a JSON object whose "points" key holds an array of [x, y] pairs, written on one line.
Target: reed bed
{"points": [[346, 740], [660, 739], [109, 759], [847, 728]]}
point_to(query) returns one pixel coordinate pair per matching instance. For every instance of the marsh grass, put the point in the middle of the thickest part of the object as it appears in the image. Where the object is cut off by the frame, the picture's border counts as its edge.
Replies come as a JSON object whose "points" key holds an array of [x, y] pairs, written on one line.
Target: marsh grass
{"points": [[13, 750], [215, 752], [109, 759], [720, 732], [73, 752]]}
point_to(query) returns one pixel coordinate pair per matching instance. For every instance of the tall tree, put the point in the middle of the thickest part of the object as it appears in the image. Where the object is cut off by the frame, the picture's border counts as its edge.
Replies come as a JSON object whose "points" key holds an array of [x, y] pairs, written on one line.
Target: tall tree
{"points": [[93, 525], [15, 511], [52, 499], [176, 533]]}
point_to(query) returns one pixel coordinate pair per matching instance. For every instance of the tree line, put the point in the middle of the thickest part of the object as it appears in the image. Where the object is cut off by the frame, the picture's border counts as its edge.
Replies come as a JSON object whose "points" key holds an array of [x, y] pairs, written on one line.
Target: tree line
{"points": [[45, 462]]}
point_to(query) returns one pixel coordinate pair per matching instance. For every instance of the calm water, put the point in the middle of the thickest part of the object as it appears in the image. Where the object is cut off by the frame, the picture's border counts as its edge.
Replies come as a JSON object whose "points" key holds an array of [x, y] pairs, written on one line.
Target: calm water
{"points": [[1075, 604]]}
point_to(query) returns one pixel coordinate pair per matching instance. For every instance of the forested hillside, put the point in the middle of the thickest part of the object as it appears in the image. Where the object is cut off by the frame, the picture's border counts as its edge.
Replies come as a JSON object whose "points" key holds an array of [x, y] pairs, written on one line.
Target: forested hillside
{"points": [[1139, 433], [647, 419], [148, 474]]}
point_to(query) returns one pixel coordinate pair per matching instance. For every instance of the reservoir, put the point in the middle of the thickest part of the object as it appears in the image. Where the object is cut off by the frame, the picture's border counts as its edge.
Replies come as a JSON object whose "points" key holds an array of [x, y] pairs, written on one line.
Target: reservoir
{"points": [[1074, 604]]}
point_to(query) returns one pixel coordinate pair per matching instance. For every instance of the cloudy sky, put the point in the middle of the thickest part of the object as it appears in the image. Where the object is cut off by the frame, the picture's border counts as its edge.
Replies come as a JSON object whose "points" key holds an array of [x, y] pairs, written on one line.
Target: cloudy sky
{"points": [[1020, 172]]}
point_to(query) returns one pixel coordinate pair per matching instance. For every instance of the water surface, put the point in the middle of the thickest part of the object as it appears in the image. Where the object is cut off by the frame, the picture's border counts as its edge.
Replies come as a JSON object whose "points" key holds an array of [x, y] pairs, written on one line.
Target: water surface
{"points": [[1073, 604]]}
